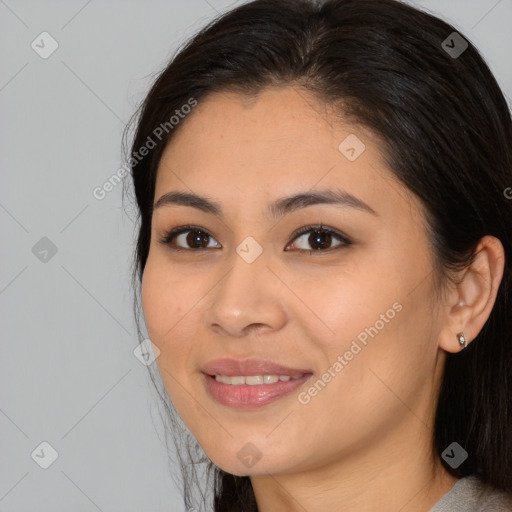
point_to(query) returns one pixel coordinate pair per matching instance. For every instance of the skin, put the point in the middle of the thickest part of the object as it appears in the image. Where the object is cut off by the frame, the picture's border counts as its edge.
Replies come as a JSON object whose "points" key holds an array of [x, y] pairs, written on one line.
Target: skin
{"points": [[363, 442]]}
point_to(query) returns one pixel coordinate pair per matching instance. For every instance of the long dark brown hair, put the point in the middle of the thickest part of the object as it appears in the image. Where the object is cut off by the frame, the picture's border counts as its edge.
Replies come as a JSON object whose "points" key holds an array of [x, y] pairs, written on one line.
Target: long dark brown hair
{"points": [[446, 133]]}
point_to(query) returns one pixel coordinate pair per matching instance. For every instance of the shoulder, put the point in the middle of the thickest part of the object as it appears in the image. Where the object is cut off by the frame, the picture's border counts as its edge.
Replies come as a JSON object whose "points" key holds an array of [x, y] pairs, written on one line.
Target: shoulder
{"points": [[470, 494]]}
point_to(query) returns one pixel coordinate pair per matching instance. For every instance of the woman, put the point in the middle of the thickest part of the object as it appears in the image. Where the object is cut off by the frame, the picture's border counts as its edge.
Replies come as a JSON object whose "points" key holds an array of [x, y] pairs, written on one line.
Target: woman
{"points": [[324, 259]]}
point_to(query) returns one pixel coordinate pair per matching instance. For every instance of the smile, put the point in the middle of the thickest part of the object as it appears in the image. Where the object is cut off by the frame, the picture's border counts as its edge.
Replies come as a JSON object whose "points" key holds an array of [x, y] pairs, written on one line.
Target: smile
{"points": [[254, 380], [252, 391]]}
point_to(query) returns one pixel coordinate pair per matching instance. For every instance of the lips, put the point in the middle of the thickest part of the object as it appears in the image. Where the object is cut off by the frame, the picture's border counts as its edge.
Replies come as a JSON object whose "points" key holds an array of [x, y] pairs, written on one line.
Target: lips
{"points": [[251, 397], [232, 367]]}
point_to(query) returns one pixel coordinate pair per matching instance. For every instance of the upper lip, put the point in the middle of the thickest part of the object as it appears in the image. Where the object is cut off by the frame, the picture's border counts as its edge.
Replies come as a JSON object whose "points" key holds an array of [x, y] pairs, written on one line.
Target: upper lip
{"points": [[233, 367]]}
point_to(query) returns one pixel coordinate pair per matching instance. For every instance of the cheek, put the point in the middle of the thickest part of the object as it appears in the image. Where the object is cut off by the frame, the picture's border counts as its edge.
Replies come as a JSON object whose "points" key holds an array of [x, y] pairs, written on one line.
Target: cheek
{"points": [[167, 303], [388, 356], [163, 302], [369, 317], [152, 296], [345, 304]]}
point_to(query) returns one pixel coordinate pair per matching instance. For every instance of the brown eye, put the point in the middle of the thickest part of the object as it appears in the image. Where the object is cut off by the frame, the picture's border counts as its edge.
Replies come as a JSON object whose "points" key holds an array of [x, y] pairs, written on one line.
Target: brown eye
{"points": [[196, 237], [319, 239], [187, 238]]}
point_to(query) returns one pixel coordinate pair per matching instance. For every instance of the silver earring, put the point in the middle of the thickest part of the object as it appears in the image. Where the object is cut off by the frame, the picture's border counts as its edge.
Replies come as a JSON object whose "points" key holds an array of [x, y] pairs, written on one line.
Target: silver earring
{"points": [[462, 339]]}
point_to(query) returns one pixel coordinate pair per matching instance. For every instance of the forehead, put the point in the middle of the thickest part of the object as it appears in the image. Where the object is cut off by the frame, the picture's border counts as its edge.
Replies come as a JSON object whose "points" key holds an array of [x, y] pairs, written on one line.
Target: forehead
{"points": [[278, 142]]}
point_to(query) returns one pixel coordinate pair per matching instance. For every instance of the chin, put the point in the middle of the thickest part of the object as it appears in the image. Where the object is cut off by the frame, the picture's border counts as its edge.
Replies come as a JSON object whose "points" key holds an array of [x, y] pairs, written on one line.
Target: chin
{"points": [[249, 461]]}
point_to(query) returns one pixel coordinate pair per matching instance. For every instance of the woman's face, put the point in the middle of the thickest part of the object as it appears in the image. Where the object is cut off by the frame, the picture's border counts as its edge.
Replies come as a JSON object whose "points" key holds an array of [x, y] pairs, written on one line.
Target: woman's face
{"points": [[350, 312]]}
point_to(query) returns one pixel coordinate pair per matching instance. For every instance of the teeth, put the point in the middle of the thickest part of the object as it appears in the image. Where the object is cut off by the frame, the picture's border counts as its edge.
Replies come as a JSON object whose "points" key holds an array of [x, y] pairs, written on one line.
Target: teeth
{"points": [[253, 380]]}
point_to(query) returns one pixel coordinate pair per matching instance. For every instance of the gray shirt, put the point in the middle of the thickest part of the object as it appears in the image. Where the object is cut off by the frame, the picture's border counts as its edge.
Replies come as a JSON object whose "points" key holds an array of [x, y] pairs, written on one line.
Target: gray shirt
{"points": [[471, 495]]}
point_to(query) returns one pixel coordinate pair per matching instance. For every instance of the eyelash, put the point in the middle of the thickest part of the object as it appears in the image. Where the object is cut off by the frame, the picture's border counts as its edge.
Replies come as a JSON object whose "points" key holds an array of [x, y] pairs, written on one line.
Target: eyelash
{"points": [[171, 234]]}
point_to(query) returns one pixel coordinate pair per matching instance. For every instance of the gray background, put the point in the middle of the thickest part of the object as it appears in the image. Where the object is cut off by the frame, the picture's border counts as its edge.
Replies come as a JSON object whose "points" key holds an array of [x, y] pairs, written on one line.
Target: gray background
{"points": [[68, 373]]}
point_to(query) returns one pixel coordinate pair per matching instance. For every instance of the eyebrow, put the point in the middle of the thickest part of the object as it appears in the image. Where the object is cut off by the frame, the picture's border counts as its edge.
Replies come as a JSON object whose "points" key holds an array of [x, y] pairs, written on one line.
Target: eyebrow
{"points": [[279, 208]]}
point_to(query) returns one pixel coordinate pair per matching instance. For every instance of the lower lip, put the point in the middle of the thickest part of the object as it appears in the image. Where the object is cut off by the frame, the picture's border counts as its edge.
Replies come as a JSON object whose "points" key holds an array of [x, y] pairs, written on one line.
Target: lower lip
{"points": [[250, 397]]}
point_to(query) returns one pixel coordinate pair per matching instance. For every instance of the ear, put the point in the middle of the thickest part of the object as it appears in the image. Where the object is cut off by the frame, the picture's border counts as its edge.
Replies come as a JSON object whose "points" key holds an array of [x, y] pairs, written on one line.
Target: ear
{"points": [[470, 300]]}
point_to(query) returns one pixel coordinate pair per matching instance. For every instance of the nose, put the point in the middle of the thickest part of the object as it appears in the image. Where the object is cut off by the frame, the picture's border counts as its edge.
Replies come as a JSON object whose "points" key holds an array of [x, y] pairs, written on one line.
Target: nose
{"points": [[248, 298]]}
